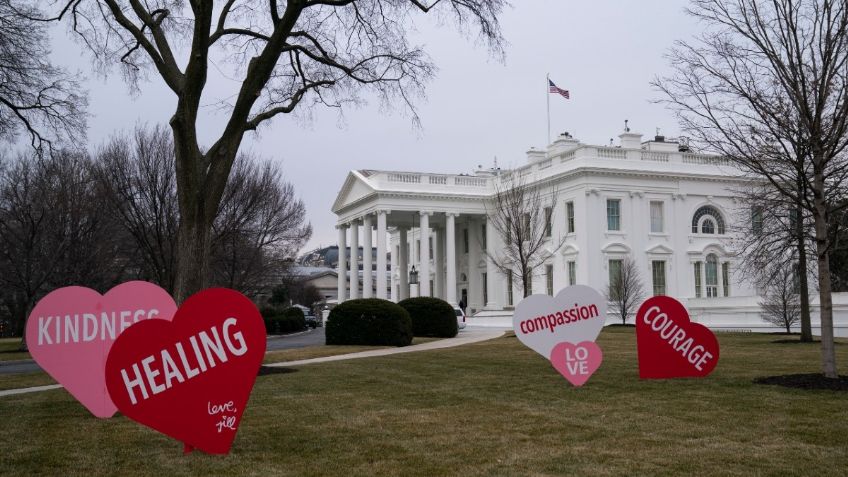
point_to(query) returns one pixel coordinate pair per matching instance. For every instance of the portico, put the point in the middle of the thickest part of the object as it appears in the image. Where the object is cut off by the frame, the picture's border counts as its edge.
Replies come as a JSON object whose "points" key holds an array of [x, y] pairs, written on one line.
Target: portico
{"points": [[435, 223]]}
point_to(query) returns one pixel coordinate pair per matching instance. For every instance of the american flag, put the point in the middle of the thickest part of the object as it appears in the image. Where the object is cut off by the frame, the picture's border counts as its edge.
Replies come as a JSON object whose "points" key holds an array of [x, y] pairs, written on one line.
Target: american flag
{"points": [[556, 89]]}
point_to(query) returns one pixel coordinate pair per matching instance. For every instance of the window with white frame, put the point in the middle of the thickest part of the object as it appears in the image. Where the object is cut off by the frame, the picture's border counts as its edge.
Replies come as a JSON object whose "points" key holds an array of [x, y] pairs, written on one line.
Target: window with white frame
{"points": [[657, 219], [569, 216], [613, 214], [548, 225], [572, 273], [757, 219], [658, 276], [725, 277], [465, 239], [509, 289], [697, 267], [711, 276], [549, 278], [485, 288], [615, 266], [708, 220]]}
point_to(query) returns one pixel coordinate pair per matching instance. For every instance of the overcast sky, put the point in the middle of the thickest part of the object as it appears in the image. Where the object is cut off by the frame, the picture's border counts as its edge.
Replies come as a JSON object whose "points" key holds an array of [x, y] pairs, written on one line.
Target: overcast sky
{"points": [[604, 52]]}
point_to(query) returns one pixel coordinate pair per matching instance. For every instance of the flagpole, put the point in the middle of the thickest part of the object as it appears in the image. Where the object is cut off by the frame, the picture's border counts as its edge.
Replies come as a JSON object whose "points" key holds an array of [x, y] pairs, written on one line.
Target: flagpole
{"points": [[548, 97]]}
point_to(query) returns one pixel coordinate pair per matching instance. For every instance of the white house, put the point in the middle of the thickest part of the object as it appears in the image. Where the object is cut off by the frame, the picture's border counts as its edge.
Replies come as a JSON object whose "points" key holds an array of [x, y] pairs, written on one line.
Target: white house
{"points": [[671, 210]]}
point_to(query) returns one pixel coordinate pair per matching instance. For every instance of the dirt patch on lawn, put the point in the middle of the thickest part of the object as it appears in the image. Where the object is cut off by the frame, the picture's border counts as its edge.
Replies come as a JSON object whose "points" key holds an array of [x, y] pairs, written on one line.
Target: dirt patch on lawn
{"points": [[798, 341], [266, 370], [806, 381]]}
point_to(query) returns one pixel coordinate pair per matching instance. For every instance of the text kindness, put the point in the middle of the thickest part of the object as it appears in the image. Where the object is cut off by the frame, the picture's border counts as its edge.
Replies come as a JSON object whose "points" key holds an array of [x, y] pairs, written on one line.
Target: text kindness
{"points": [[86, 327], [182, 361], [551, 321]]}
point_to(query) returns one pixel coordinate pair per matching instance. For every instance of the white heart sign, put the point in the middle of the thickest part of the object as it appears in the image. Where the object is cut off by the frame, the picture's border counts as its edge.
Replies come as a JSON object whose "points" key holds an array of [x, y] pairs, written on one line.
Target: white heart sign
{"points": [[576, 314]]}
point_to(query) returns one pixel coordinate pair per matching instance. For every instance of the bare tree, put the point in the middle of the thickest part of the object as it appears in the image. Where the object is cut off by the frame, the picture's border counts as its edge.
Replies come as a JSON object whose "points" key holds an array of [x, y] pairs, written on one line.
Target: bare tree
{"points": [[35, 96], [260, 224], [136, 173], [766, 85], [54, 231], [287, 55], [260, 227], [625, 291], [773, 229], [522, 220], [781, 305]]}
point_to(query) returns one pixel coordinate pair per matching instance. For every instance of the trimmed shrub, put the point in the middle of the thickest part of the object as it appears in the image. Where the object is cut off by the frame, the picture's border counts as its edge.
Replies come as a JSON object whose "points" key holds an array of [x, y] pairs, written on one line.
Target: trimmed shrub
{"points": [[289, 320], [369, 321], [431, 317]]}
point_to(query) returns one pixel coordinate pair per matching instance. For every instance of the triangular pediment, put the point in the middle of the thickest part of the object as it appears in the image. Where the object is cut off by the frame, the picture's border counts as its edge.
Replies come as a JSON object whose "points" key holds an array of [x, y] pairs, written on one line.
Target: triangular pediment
{"points": [[659, 249], [355, 187]]}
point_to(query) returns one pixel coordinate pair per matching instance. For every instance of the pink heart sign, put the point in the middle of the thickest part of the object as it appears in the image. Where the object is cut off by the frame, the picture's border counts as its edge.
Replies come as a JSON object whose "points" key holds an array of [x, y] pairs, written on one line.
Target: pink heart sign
{"points": [[563, 329], [71, 330], [577, 313], [577, 362]]}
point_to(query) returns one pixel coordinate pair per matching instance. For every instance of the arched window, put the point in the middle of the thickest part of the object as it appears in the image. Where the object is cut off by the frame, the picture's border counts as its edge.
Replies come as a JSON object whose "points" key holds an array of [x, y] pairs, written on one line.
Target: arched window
{"points": [[712, 275], [707, 220]]}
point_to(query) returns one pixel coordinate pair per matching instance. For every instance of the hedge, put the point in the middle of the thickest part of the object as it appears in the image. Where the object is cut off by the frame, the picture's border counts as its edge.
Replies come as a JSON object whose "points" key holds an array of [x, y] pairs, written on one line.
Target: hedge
{"points": [[369, 321], [278, 322], [431, 317]]}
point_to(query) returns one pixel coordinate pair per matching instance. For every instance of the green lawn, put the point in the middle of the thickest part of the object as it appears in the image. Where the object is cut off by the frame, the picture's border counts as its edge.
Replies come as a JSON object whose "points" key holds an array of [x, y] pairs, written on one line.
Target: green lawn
{"points": [[310, 352], [9, 350], [492, 408]]}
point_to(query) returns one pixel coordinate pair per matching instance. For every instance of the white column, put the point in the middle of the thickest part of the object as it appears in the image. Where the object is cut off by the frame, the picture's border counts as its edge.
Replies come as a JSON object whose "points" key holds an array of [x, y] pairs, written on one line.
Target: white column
{"points": [[475, 288], [424, 273], [367, 258], [403, 265], [437, 264], [450, 252], [393, 282], [341, 269], [381, 255], [704, 278], [354, 259], [492, 272]]}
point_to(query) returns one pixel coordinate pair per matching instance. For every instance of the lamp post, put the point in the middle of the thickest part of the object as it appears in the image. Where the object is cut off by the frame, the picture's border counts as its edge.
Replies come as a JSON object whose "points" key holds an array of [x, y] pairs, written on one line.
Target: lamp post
{"points": [[413, 276]]}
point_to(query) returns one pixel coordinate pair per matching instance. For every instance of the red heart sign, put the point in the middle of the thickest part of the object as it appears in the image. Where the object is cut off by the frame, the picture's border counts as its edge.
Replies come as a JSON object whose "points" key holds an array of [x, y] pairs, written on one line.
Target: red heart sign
{"points": [[190, 378], [671, 346]]}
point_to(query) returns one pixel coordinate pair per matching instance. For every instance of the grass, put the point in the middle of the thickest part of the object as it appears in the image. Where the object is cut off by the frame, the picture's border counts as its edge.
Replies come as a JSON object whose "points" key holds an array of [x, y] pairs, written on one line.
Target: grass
{"points": [[492, 408], [24, 380], [9, 350], [14, 381]]}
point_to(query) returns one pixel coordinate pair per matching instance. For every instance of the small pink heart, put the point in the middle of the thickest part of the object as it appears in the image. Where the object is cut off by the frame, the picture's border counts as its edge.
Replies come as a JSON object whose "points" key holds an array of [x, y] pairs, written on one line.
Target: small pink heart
{"points": [[576, 362]]}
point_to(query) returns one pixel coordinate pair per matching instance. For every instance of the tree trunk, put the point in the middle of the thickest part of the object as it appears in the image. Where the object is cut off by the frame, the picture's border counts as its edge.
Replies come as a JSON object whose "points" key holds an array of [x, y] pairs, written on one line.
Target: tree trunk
{"points": [[806, 328], [200, 184], [826, 305], [193, 256]]}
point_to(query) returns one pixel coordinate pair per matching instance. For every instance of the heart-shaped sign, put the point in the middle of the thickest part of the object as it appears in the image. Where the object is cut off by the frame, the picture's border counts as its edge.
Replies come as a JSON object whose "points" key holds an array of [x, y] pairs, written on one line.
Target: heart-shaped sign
{"points": [[71, 330], [576, 314], [577, 362], [669, 344], [191, 378]]}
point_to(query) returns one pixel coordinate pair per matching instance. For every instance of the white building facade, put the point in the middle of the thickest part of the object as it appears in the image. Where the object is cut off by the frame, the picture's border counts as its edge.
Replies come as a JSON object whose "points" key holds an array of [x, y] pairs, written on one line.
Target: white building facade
{"points": [[672, 211]]}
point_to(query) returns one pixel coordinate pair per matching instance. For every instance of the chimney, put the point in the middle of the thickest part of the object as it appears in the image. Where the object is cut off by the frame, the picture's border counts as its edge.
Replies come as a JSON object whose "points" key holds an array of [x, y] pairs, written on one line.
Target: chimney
{"points": [[629, 140], [535, 155], [564, 142]]}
